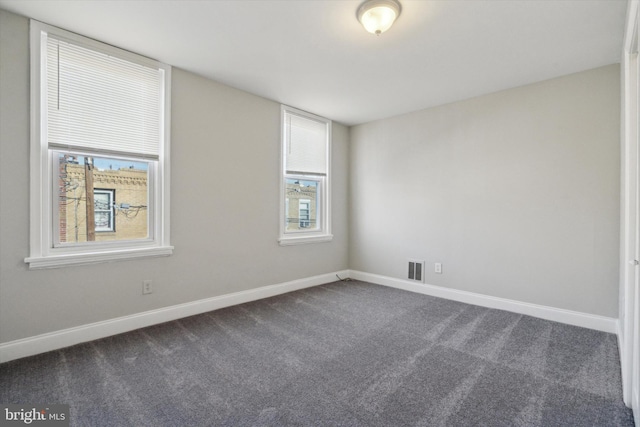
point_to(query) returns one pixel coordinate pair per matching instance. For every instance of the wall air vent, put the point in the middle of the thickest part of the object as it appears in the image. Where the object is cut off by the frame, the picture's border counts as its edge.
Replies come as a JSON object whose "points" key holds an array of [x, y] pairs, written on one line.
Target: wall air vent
{"points": [[416, 271]]}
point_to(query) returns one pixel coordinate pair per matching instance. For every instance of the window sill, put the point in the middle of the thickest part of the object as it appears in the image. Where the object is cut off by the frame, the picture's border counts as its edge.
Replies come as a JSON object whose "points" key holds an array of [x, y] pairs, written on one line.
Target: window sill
{"points": [[301, 240], [62, 260]]}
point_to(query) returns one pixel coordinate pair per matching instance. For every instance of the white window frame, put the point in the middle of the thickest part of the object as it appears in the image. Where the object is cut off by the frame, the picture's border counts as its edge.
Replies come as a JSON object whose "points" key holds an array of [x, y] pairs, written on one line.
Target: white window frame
{"points": [[323, 208], [43, 202]]}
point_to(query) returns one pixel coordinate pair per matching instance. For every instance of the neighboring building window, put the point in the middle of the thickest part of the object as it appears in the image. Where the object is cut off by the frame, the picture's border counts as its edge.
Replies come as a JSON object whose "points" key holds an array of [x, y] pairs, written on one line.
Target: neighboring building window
{"points": [[103, 201], [100, 127], [305, 213], [306, 149]]}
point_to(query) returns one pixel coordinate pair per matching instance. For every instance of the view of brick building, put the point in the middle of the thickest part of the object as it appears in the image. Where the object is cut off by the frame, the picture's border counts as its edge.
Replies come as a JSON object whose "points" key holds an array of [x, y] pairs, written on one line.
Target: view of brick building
{"points": [[120, 202], [301, 204]]}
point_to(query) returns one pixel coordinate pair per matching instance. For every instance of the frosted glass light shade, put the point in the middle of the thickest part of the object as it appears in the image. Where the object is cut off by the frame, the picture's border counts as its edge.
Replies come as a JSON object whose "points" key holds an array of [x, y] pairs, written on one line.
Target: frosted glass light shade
{"points": [[377, 16]]}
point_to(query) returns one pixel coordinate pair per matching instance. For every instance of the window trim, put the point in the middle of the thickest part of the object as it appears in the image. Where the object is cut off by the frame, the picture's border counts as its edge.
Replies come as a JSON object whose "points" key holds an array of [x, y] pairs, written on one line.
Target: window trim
{"points": [[43, 254], [323, 231]]}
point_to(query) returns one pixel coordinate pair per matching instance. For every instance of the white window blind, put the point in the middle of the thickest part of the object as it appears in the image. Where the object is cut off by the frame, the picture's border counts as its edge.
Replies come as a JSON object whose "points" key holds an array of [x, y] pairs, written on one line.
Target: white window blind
{"points": [[306, 145], [100, 102]]}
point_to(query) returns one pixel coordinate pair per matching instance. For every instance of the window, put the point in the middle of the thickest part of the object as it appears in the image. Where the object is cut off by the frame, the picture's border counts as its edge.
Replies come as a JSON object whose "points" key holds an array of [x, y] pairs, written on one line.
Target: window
{"points": [[305, 214], [100, 129], [103, 201], [305, 190]]}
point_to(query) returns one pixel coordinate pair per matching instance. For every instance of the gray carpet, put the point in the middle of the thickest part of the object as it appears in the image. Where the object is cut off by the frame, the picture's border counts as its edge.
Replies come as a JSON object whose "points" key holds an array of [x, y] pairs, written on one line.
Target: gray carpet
{"points": [[342, 354]]}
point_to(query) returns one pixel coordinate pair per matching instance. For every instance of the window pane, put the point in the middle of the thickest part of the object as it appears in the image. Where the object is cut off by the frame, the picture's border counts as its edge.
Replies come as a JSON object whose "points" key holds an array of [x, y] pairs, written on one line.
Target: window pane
{"points": [[101, 200], [302, 204], [119, 190], [103, 221]]}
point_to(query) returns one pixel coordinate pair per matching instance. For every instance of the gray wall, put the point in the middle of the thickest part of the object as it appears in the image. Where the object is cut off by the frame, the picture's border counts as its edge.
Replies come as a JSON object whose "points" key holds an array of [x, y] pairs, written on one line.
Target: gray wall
{"points": [[516, 193], [224, 212]]}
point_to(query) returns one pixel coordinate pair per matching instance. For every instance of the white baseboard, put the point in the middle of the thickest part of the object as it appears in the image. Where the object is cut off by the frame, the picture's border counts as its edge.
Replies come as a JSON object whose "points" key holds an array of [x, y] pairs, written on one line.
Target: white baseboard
{"points": [[600, 323], [68, 337]]}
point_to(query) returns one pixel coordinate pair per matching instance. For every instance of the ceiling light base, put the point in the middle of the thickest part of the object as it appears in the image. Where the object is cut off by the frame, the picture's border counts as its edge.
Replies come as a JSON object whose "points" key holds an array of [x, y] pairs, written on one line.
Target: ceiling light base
{"points": [[377, 16]]}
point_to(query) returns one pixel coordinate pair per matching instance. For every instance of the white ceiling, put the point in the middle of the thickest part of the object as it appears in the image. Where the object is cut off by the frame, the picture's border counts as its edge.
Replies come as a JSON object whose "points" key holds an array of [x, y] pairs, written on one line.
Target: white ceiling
{"points": [[314, 55]]}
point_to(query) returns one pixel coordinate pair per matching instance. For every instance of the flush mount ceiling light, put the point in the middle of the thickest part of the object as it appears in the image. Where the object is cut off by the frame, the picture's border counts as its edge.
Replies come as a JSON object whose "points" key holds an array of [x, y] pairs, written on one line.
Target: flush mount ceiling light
{"points": [[377, 16]]}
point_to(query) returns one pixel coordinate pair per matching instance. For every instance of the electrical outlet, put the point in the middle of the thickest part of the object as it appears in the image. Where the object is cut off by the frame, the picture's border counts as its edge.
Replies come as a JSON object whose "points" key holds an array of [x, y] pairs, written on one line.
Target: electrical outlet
{"points": [[147, 288], [438, 268]]}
